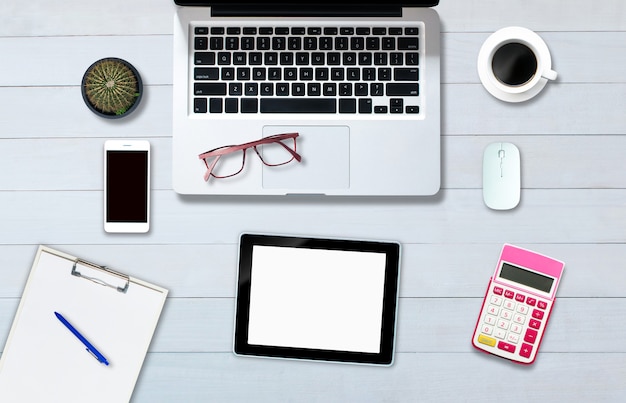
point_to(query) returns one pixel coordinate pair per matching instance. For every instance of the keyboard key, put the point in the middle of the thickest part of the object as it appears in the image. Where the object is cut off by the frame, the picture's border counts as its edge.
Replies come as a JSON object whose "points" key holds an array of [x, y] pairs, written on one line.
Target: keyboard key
{"points": [[251, 89], [362, 31], [411, 31], [217, 30], [380, 109], [200, 105], [201, 30], [347, 105], [249, 30], [405, 74], [215, 105], [407, 43], [314, 31], [231, 105], [235, 89], [266, 31], [365, 105], [267, 89], [298, 105], [298, 89], [204, 58], [279, 43], [412, 109], [206, 73], [249, 105], [346, 31], [210, 88], [201, 43], [379, 31], [395, 31], [216, 43]]}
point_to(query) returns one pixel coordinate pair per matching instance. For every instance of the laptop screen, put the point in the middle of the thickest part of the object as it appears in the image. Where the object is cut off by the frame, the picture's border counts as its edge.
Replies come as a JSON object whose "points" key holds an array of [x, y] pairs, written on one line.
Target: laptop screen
{"points": [[243, 3]]}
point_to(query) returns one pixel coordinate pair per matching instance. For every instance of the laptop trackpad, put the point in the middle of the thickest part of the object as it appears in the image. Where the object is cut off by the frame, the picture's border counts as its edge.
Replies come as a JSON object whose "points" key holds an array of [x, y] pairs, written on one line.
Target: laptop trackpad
{"points": [[325, 164]]}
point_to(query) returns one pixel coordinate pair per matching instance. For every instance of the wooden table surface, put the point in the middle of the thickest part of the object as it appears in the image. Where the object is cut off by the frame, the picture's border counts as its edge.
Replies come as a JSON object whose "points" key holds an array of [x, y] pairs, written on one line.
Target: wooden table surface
{"points": [[573, 207]]}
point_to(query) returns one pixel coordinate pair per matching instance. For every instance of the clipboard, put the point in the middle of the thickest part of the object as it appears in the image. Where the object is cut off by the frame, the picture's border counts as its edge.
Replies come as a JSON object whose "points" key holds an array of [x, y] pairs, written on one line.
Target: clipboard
{"points": [[43, 361]]}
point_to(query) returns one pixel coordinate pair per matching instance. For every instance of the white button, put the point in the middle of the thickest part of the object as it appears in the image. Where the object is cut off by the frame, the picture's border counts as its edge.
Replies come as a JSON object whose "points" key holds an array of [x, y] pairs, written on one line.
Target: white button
{"points": [[500, 333], [496, 300], [486, 329], [509, 305], [523, 309], [512, 338], [503, 324], [494, 310], [519, 319], [506, 314], [515, 328], [490, 319]]}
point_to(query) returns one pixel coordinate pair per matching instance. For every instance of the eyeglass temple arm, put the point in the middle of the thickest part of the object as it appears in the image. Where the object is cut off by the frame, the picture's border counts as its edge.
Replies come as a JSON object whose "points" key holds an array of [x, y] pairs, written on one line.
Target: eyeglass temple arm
{"points": [[292, 152], [207, 174]]}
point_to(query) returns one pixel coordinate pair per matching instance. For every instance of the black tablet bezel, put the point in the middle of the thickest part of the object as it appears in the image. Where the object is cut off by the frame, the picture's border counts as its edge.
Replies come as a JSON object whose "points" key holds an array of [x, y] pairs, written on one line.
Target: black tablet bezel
{"points": [[390, 299]]}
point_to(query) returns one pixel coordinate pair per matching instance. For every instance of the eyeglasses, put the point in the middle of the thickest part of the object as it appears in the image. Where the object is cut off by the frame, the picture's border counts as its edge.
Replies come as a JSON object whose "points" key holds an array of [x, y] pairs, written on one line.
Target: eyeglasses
{"points": [[224, 162]]}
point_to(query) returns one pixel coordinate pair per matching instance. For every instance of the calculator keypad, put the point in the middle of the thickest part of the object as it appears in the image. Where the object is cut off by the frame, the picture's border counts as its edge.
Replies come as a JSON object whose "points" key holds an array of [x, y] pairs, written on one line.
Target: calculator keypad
{"points": [[511, 322]]}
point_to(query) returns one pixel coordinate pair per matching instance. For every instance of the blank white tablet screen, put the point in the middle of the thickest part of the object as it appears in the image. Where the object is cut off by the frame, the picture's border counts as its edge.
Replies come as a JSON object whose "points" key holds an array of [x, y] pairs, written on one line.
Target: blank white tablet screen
{"points": [[316, 298]]}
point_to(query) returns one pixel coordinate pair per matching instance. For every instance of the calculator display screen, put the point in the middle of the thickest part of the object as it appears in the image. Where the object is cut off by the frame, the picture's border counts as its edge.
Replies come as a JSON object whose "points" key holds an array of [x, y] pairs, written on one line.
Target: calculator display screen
{"points": [[525, 277]]}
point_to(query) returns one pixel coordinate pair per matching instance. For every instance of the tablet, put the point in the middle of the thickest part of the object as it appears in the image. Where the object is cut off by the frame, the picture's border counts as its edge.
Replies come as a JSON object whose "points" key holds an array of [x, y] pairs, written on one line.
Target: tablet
{"points": [[317, 299]]}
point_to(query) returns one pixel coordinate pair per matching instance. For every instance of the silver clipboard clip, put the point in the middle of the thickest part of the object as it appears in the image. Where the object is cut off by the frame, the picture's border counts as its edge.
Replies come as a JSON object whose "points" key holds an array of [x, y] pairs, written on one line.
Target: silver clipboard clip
{"points": [[104, 269]]}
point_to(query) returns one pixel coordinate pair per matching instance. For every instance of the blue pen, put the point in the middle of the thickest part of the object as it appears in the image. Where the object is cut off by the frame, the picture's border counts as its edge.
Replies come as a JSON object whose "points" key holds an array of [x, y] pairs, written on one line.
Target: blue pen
{"points": [[90, 348]]}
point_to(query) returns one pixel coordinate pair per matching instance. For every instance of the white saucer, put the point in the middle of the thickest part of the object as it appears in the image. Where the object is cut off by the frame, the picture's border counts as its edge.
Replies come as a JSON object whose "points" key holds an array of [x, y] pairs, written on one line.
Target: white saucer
{"points": [[507, 35]]}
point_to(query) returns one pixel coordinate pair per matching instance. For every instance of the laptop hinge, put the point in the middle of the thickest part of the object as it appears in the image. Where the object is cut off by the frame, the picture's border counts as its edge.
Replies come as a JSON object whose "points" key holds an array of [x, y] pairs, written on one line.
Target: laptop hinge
{"points": [[305, 11]]}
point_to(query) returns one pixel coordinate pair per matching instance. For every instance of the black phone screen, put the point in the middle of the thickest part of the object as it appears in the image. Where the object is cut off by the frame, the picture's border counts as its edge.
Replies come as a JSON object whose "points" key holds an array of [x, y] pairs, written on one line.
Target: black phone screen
{"points": [[127, 186]]}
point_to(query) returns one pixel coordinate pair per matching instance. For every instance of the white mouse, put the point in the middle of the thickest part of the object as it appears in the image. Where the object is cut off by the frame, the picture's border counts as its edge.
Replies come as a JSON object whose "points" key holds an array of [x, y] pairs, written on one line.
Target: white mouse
{"points": [[501, 176]]}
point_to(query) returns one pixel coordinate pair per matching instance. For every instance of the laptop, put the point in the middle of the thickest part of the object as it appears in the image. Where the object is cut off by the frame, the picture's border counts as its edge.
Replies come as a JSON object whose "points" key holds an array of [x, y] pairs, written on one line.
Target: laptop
{"points": [[354, 89]]}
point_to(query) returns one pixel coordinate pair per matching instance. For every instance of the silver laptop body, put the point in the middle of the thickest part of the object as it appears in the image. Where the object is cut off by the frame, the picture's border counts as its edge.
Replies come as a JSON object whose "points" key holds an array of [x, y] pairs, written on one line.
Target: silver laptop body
{"points": [[376, 134]]}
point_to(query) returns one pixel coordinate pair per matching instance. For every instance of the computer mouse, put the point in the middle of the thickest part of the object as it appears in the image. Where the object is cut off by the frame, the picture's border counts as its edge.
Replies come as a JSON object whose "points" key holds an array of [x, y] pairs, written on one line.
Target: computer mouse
{"points": [[501, 176]]}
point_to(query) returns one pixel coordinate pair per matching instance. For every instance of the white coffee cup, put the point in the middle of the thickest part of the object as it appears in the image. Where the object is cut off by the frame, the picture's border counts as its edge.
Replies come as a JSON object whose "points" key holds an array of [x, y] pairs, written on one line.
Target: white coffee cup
{"points": [[514, 64]]}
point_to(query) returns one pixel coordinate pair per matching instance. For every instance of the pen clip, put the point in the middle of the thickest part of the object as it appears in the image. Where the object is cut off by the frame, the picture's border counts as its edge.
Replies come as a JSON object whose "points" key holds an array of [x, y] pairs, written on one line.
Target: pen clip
{"points": [[100, 360], [104, 269]]}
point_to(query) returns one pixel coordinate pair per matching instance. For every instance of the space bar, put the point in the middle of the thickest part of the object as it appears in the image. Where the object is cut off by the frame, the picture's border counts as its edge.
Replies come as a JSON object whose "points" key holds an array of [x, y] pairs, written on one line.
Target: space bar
{"points": [[290, 105]]}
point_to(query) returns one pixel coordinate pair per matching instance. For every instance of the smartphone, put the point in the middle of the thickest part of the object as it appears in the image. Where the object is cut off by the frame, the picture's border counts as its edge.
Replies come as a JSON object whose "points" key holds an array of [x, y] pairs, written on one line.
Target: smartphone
{"points": [[127, 186], [517, 305]]}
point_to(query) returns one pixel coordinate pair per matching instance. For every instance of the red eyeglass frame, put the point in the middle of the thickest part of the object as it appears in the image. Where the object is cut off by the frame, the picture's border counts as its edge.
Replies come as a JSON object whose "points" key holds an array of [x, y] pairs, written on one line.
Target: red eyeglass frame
{"points": [[220, 151]]}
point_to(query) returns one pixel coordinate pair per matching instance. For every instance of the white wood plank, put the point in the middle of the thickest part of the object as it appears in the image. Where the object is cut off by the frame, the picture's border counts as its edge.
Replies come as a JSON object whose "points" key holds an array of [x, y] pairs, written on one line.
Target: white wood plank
{"points": [[433, 325], [67, 58], [560, 109], [548, 162], [572, 15], [42, 18], [428, 270], [413, 377], [602, 61], [62, 61], [37, 112], [86, 17], [454, 216]]}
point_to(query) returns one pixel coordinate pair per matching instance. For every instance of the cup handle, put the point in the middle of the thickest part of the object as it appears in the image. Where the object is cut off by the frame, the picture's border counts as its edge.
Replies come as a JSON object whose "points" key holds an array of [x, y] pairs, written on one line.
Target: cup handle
{"points": [[550, 74]]}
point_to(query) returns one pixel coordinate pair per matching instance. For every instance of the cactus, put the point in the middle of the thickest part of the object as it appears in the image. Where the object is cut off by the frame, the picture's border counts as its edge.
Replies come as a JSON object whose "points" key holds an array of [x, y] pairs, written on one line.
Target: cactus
{"points": [[111, 86]]}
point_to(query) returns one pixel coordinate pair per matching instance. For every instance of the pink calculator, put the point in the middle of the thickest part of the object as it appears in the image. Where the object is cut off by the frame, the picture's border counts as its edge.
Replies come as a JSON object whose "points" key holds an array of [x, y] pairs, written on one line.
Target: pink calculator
{"points": [[517, 305]]}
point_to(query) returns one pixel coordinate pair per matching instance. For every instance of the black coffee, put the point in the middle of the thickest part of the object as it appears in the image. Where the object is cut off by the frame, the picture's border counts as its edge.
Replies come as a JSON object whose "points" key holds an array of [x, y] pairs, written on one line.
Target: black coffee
{"points": [[514, 64]]}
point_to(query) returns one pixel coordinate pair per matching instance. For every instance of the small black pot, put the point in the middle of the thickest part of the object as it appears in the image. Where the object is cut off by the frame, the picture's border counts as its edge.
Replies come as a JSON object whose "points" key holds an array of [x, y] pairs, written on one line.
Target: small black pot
{"points": [[112, 88]]}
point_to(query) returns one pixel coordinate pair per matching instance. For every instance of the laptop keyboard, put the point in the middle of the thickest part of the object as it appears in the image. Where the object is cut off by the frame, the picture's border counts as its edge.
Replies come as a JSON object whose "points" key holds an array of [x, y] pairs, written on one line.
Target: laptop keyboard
{"points": [[327, 70]]}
